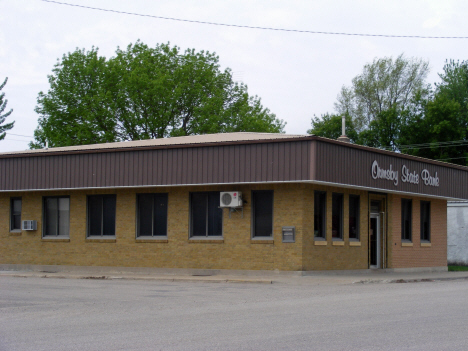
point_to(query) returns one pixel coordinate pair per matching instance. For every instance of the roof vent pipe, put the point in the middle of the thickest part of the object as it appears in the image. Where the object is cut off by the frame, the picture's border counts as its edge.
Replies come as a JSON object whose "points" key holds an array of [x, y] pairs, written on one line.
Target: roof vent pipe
{"points": [[46, 144], [343, 136]]}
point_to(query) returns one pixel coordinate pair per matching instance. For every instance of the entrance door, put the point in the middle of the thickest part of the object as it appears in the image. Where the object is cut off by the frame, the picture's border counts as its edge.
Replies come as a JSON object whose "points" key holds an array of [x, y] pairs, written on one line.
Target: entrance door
{"points": [[374, 233]]}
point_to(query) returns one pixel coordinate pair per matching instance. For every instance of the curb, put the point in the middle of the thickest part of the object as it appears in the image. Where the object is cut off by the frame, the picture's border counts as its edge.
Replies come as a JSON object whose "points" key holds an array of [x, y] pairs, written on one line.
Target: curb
{"points": [[393, 281], [158, 278]]}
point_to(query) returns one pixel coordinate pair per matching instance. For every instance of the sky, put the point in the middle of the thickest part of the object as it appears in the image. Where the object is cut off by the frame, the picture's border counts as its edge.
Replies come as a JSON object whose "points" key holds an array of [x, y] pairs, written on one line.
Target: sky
{"points": [[296, 75]]}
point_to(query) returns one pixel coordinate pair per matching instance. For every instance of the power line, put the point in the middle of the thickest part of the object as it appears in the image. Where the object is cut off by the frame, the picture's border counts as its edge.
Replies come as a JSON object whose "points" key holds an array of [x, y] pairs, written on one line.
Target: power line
{"points": [[26, 136], [452, 158], [254, 27], [431, 146], [439, 144]]}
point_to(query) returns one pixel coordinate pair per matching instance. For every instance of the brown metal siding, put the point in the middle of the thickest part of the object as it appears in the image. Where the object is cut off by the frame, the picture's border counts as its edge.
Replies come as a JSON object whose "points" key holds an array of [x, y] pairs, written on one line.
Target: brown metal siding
{"points": [[344, 165], [262, 162]]}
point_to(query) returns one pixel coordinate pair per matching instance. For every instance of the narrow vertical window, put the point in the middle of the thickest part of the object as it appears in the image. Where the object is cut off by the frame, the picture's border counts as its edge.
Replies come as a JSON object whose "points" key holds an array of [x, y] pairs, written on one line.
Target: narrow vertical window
{"points": [[15, 213], [151, 215], [425, 221], [406, 215], [354, 204], [320, 205], [101, 215], [337, 216], [206, 217], [56, 216], [262, 207]]}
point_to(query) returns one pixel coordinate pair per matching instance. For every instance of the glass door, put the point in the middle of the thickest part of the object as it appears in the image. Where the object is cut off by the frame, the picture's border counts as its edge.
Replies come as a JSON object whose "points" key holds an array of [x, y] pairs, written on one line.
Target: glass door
{"points": [[374, 239]]}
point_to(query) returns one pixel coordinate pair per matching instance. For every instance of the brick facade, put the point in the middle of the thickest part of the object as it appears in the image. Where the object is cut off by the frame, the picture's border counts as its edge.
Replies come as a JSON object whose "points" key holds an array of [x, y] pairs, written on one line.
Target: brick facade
{"points": [[417, 254], [293, 206]]}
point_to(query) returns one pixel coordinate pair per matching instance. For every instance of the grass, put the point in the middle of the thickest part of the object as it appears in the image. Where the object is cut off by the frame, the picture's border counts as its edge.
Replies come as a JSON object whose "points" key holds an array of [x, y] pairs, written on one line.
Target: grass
{"points": [[457, 268]]}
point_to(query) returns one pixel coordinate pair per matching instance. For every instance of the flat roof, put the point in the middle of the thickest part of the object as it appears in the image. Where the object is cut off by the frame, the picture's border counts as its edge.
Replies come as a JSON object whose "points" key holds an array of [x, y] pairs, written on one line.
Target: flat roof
{"points": [[173, 141]]}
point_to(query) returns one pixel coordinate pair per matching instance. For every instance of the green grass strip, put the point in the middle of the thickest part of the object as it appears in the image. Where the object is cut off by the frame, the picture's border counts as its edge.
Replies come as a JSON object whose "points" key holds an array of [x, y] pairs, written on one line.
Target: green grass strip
{"points": [[457, 268]]}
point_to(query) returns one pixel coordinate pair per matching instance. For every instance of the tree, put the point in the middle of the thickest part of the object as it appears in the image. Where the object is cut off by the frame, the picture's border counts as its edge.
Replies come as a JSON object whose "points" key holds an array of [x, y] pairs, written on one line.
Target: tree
{"points": [[143, 93], [384, 131], [454, 86], [3, 116], [384, 84], [76, 110], [391, 107]]}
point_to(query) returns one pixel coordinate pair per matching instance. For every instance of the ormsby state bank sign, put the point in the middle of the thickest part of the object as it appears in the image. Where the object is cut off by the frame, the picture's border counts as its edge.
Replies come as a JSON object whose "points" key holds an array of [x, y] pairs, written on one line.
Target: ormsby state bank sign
{"points": [[407, 176]]}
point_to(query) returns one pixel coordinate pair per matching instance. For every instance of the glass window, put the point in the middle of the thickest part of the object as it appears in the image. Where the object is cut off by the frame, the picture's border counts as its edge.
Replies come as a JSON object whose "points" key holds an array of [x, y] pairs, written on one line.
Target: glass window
{"points": [[206, 217], [101, 215], [354, 204], [262, 207], [406, 214], [56, 216], [337, 216], [15, 213], [151, 215], [320, 205], [425, 221]]}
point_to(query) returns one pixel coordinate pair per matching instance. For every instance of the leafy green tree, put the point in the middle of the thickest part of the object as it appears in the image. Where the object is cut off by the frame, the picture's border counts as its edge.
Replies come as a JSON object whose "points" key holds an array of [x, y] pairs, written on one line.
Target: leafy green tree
{"points": [[454, 86], [77, 110], [4, 126], [384, 131], [144, 93], [440, 130], [431, 134], [383, 85], [330, 126], [390, 106]]}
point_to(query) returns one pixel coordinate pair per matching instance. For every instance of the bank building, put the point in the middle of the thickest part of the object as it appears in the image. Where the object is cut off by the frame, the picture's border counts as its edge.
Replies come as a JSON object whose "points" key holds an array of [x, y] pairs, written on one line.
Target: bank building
{"points": [[235, 201]]}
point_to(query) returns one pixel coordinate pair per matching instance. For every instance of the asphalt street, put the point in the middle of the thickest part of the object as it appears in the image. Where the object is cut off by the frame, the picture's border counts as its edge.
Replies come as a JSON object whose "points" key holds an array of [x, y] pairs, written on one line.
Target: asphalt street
{"points": [[90, 314]]}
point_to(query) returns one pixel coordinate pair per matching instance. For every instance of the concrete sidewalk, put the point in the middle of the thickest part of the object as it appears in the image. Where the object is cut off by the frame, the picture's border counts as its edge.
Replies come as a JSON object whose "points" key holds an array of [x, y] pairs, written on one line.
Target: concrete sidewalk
{"points": [[223, 276]]}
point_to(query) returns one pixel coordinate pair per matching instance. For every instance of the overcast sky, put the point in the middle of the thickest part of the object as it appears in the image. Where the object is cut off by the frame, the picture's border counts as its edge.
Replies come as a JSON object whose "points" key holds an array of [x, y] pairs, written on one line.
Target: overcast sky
{"points": [[297, 75]]}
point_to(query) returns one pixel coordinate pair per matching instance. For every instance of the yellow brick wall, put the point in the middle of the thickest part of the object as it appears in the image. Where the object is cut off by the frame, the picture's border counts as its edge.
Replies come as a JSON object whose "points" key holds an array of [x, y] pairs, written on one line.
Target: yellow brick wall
{"points": [[293, 206], [237, 251], [329, 256]]}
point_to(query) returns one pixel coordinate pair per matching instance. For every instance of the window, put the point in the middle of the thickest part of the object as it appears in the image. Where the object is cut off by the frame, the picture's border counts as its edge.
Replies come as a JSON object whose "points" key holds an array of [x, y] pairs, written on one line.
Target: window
{"points": [[354, 204], [151, 215], [320, 205], [262, 213], [15, 213], [425, 221], [56, 216], [406, 214], [101, 215], [337, 216], [206, 218]]}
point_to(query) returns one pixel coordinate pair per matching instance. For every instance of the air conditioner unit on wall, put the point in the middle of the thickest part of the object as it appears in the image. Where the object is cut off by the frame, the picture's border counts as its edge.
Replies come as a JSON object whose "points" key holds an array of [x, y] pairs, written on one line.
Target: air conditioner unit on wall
{"points": [[29, 225], [231, 199]]}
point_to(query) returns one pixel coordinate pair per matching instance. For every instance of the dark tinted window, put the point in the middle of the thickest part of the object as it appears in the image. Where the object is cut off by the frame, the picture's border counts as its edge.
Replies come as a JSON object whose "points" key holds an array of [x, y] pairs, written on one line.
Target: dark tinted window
{"points": [[15, 213], [215, 215], [160, 215], [206, 217], [425, 221], [262, 206], [354, 204], [337, 216], [56, 216], [320, 205], [406, 214], [101, 215], [152, 215]]}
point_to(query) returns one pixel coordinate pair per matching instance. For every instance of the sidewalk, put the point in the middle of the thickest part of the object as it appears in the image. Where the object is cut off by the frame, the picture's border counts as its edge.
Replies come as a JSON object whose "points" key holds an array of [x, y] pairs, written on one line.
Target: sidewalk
{"points": [[207, 276]]}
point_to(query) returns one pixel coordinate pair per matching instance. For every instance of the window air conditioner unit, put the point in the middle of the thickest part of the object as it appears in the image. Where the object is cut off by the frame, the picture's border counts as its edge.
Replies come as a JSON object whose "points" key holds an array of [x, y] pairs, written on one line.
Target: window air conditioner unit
{"points": [[231, 199], [29, 225]]}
